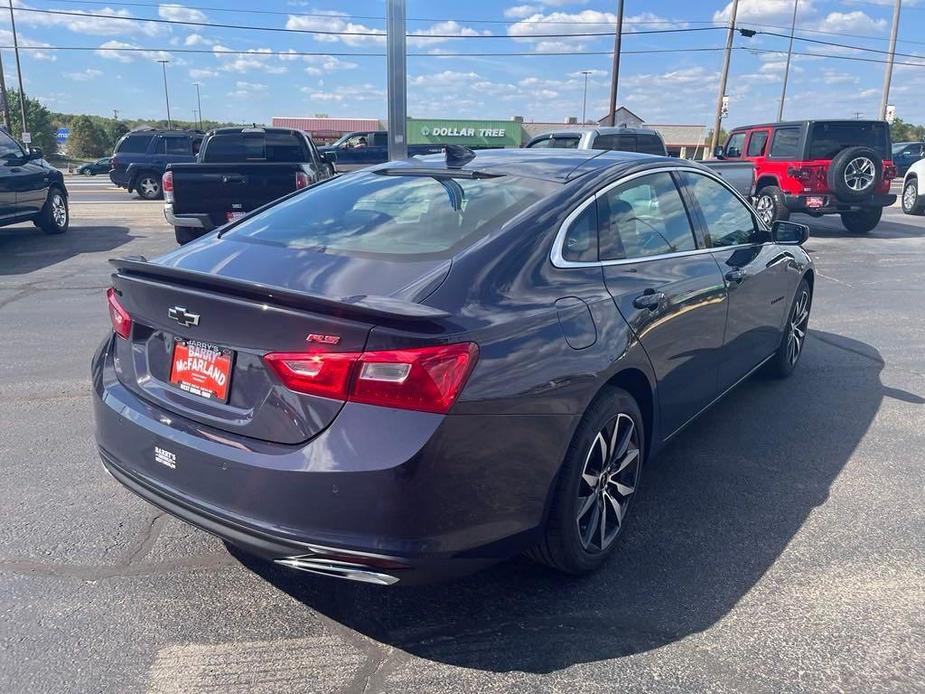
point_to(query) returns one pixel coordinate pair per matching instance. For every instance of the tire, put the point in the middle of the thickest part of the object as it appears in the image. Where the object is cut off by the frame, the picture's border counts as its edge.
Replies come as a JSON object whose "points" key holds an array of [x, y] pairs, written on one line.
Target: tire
{"points": [[855, 173], [148, 186], [186, 234], [913, 203], [770, 205], [87, 172], [788, 353], [572, 543], [862, 221], [54, 217]]}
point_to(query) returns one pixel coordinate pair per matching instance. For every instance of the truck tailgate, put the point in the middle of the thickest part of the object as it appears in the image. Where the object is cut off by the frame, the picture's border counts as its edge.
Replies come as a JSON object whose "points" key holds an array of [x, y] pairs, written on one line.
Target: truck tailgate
{"points": [[220, 189]]}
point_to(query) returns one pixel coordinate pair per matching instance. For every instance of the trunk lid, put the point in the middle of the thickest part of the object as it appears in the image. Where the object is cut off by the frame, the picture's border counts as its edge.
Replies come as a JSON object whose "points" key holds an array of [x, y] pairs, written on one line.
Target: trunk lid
{"points": [[219, 189], [278, 300]]}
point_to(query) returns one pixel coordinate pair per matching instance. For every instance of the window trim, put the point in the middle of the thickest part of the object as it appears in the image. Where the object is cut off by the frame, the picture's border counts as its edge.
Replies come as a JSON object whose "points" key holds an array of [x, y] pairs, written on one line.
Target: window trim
{"points": [[559, 261]]}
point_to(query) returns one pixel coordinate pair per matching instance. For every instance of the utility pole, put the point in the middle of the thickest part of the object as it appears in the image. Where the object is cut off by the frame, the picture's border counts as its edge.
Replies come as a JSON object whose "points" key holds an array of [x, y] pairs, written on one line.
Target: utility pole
{"points": [[166, 95], [783, 94], [584, 100], [615, 68], [3, 101], [727, 55], [888, 73], [115, 114], [198, 103], [22, 92], [396, 64]]}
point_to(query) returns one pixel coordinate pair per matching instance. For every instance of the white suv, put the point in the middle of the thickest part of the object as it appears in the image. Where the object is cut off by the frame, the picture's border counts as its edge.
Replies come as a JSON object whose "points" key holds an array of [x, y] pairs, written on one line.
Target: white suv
{"points": [[913, 196]]}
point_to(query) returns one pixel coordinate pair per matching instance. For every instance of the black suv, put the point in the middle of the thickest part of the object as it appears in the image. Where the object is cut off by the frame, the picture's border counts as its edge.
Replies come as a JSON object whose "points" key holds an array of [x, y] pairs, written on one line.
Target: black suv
{"points": [[141, 157], [31, 190]]}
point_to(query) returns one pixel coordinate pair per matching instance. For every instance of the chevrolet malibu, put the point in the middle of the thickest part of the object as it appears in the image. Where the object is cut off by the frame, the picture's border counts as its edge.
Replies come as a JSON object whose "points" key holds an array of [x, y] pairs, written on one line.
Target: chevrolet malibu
{"points": [[415, 370]]}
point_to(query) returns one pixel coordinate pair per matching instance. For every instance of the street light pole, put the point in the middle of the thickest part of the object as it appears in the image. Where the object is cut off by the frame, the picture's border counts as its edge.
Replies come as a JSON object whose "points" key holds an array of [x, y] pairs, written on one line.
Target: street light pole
{"points": [[198, 103], [396, 64], [783, 94], [615, 68], [3, 101], [22, 93], [722, 81], [166, 95], [584, 100], [888, 73]]}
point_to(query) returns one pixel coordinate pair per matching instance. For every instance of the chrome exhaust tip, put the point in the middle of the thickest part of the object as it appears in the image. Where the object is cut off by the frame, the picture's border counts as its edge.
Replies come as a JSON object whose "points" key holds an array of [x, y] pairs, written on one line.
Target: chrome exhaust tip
{"points": [[337, 569]]}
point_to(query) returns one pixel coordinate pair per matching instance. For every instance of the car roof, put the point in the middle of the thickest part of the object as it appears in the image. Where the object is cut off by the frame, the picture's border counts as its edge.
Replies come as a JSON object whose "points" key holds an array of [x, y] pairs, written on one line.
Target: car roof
{"points": [[559, 165], [252, 128], [800, 123], [600, 131]]}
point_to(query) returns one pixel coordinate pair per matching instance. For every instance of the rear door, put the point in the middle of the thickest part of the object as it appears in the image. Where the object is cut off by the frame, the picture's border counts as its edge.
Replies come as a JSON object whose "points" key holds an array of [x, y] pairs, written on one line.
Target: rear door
{"points": [[669, 291], [759, 276]]}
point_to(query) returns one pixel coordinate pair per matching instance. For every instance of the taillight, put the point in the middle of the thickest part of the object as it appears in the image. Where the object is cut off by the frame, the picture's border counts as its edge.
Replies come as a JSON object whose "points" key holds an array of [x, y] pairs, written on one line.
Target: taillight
{"points": [[428, 379], [167, 186], [121, 320], [889, 172], [301, 180]]}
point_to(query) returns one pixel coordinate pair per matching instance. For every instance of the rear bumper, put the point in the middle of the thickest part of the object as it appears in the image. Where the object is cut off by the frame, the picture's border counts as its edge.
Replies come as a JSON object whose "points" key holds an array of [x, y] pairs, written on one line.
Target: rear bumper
{"points": [[413, 496], [118, 178], [826, 203], [194, 221]]}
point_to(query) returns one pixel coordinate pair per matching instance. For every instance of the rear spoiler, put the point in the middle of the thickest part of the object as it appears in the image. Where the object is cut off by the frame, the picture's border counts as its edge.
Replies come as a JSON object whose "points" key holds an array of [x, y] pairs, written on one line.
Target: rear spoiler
{"points": [[362, 307]]}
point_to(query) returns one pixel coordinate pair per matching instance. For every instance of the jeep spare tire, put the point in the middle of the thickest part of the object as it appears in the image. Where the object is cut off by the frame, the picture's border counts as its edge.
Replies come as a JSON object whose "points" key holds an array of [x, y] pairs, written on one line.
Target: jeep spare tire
{"points": [[855, 173]]}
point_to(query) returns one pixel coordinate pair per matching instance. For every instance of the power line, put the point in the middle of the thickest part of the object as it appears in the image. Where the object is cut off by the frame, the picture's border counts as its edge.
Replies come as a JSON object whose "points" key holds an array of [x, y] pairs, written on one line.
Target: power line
{"points": [[366, 34], [840, 45]]}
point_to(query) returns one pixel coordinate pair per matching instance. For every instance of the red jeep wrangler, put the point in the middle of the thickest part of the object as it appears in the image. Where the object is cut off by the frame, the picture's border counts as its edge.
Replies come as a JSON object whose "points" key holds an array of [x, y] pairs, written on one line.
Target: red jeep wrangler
{"points": [[818, 167]]}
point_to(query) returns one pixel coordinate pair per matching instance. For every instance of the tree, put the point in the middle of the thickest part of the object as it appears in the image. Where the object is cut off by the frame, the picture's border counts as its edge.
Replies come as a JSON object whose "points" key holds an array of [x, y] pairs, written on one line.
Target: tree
{"points": [[86, 139], [38, 119], [901, 131]]}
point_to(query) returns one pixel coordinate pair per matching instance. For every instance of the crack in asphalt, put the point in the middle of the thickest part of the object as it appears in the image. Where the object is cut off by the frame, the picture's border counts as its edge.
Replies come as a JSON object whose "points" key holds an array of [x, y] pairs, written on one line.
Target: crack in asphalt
{"points": [[145, 540]]}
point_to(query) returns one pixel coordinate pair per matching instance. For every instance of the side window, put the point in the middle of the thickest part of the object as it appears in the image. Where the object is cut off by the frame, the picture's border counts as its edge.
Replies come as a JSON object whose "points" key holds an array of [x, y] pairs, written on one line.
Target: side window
{"points": [[565, 142], [380, 139], [728, 220], [8, 147], [158, 146], [786, 143], [644, 217], [756, 143], [734, 145], [545, 143], [176, 145], [580, 243], [650, 144]]}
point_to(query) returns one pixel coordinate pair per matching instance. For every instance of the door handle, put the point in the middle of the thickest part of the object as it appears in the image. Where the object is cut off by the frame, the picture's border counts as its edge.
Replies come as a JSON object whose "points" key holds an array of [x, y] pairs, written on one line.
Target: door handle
{"points": [[735, 276], [649, 299]]}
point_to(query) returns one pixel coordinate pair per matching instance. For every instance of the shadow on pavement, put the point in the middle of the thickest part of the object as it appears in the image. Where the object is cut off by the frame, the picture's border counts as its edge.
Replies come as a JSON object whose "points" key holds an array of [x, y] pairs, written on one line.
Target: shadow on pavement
{"points": [[830, 227], [24, 249], [719, 506]]}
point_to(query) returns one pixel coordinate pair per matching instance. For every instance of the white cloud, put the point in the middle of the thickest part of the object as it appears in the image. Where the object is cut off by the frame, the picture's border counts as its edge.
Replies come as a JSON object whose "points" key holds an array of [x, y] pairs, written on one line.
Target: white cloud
{"points": [[320, 64], [531, 28], [253, 59], [197, 40], [350, 93], [521, 11], [111, 51], [6, 36], [116, 22], [84, 76], [201, 74], [765, 11], [244, 90], [366, 36], [852, 22], [178, 13]]}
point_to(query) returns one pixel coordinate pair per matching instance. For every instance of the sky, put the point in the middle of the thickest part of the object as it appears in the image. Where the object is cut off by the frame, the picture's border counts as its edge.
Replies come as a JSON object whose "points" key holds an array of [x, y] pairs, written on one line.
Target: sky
{"points": [[250, 75]]}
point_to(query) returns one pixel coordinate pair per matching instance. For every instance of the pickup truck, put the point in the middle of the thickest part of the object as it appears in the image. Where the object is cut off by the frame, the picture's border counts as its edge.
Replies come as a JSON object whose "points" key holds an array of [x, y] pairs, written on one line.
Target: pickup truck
{"points": [[237, 171], [359, 149]]}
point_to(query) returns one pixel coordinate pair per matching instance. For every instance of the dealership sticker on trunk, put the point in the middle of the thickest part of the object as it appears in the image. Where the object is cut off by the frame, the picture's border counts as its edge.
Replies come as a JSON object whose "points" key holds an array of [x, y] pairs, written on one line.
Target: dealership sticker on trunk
{"points": [[201, 369]]}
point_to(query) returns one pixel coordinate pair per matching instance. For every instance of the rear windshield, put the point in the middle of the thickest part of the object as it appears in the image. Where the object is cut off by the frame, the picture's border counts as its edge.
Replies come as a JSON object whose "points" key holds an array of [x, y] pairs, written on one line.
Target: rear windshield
{"points": [[828, 139], [254, 146], [557, 142], [408, 217], [136, 144]]}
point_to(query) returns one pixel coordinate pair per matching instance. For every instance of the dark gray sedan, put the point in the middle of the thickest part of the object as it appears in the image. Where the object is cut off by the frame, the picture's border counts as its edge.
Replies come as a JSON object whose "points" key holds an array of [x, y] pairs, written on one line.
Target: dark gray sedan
{"points": [[415, 370]]}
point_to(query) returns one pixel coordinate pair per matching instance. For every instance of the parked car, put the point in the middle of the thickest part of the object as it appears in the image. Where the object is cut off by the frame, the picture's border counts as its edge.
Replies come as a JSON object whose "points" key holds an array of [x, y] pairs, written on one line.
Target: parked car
{"points": [[913, 195], [422, 368], [237, 171], [31, 189], [141, 157], [359, 149], [643, 140], [92, 168], [905, 154], [818, 167]]}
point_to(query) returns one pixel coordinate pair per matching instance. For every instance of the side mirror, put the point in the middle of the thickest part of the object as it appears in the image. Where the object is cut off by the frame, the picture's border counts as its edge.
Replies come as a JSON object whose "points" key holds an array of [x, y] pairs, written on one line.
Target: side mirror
{"points": [[718, 152], [35, 153], [328, 157], [789, 233]]}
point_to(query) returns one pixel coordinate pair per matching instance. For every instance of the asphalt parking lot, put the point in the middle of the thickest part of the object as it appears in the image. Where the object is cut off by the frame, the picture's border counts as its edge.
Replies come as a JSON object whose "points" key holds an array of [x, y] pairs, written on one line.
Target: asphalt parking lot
{"points": [[778, 545]]}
